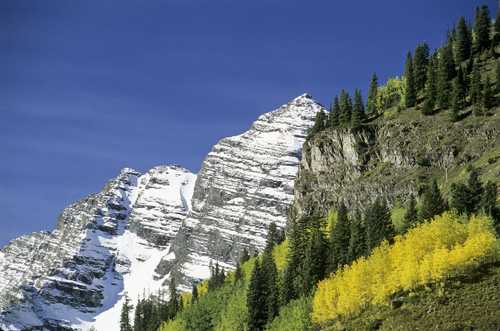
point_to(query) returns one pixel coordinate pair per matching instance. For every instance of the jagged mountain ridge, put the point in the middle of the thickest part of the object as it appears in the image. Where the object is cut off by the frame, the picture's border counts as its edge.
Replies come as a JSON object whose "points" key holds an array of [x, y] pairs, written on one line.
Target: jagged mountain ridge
{"points": [[119, 239]]}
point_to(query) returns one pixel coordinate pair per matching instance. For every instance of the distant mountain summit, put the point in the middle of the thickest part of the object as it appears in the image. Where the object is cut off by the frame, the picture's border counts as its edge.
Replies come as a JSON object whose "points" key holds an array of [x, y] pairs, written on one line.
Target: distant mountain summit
{"points": [[141, 229]]}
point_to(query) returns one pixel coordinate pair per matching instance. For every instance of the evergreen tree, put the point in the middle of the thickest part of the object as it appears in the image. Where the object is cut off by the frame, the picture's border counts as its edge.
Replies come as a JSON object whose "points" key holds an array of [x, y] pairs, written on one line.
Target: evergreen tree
{"points": [[345, 108], [459, 197], [432, 202], [420, 62], [334, 115], [358, 113], [456, 103], [496, 30], [487, 94], [445, 73], [431, 86], [463, 42], [314, 266], [319, 124], [482, 25], [357, 241], [476, 190], [411, 93], [125, 315], [194, 292], [489, 202], [138, 316], [245, 256], [173, 303], [256, 299], [411, 215], [475, 92], [339, 239], [371, 99], [378, 224], [497, 75]]}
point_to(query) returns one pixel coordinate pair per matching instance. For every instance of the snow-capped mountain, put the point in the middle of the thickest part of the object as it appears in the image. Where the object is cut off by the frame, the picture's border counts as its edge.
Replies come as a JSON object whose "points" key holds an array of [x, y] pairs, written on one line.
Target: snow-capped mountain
{"points": [[142, 229]]}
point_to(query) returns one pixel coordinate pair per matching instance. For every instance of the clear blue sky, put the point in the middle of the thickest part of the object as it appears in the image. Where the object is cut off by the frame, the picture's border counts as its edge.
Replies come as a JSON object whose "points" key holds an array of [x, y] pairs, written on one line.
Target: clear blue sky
{"points": [[90, 87]]}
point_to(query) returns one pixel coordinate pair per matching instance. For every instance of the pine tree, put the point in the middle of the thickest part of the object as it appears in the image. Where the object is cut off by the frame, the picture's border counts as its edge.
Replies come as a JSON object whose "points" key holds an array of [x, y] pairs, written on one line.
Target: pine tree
{"points": [[411, 215], [475, 92], [358, 113], [420, 63], [432, 202], [482, 25], [371, 99], [411, 93], [476, 190], [314, 266], [463, 42], [497, 75], [194, 292], [431, 86], [345, 108], [319, 124], [173, 303], [489, 201], [487, 94], [245, 256], [459, 197], [496, 31], [357, 241], [456, 103], [256, 299], [378, 224], [339, 239], [445, 73], [139, 316], [334, 116], [125, 315]]}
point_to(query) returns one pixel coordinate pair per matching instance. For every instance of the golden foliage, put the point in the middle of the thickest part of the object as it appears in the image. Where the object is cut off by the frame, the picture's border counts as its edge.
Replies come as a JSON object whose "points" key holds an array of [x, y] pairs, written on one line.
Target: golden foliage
{"points": [[447, 246]]}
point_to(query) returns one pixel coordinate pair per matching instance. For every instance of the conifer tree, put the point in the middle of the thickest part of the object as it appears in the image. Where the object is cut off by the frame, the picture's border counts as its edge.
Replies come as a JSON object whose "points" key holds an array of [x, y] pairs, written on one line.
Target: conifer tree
{"points": [[459, 197], [358, 113], [489, 202], [497, 75], [339, 239], [476, 190], [256, 299], [463, 42], [138, 316], [357, 241], [420, 62], [482, 25], [125, 315], [245, 255], [378, 224], [194, 292], [432, 202], [456, 102], [319, 124], [371, 99], [496, 30], [431, 86], [173, 303], [475, 85], [411, 215], [314, 266], [445, 73], [487, 94], [345, 108], [334, 115], [411, 93]]}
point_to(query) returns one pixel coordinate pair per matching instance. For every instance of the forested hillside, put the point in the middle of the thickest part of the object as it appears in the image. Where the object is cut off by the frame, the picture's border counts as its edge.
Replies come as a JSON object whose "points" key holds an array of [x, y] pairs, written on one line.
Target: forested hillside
{"points": [[396, 215]]}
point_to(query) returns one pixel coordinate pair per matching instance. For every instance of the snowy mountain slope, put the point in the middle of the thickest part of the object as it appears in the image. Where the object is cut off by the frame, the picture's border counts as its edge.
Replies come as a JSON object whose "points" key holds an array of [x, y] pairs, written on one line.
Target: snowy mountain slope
{"points": [[142, 229], [80, 271], [245, 183]]}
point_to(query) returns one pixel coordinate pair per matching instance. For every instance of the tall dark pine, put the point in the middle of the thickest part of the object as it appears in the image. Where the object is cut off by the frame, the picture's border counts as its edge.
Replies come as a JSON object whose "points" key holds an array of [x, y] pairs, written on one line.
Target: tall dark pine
{"points": [[345, 108], [475, 91], [125, 315], [173, 303], [420, 62], [482, 25], [487, 94], [463, 41], [432, 202], [445, 73], [378, 224], [459, 197], [431, 86], [476, 190], [314, 266], [496, 30], [411, 215], [339, 239], [497, 76], [357, 241], [371, 99], [335, 113], [489, 202], [411, 93], [456, 102], [256, 299], [319, 124], [358, 112]]}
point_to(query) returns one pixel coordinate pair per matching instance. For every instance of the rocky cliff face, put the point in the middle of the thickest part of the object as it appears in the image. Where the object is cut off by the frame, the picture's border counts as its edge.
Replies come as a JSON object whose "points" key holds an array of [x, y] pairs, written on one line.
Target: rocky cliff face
{"points": [[245, 183], [393, 158], [142, 229]]}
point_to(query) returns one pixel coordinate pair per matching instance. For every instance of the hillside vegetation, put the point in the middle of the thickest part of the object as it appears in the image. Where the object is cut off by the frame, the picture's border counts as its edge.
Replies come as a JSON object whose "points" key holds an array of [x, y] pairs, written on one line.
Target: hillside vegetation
{"points": [[396, 218]]}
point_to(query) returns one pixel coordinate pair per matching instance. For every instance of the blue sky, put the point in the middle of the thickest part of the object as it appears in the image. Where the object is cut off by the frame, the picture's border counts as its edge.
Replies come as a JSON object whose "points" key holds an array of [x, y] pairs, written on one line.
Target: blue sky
{"points": [[90, 87]]}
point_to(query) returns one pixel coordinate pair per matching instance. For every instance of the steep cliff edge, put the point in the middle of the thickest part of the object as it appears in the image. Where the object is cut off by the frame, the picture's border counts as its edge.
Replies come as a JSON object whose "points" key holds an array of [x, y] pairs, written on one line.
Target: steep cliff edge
{"points": [[394, 157]]}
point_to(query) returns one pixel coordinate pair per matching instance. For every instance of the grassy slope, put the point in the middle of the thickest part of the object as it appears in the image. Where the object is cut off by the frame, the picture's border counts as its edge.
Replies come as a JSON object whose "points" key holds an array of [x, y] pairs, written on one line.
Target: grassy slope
{"points": [[466, 303]]}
